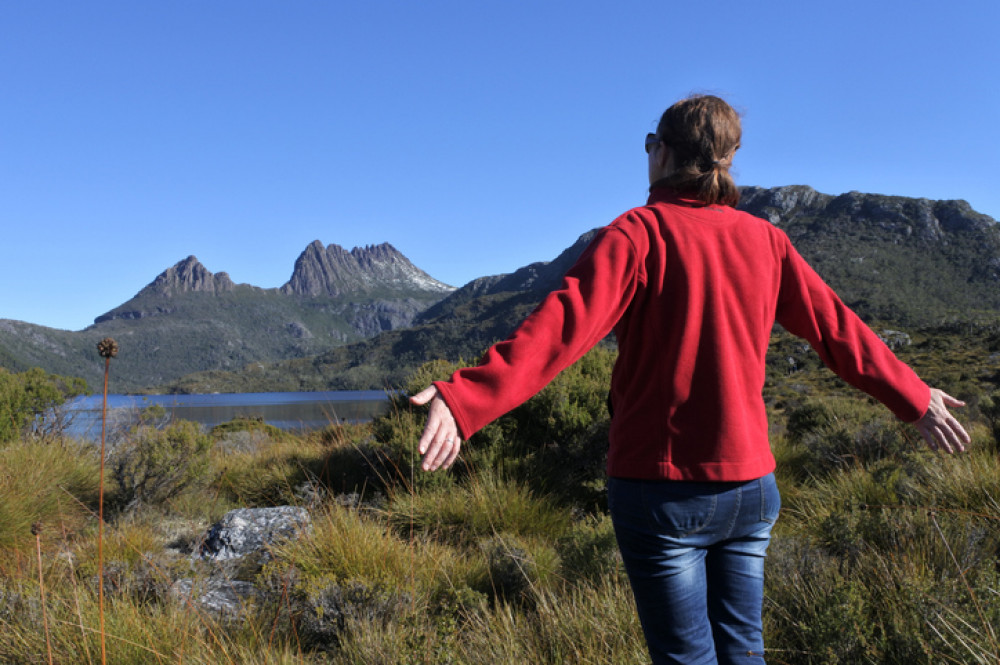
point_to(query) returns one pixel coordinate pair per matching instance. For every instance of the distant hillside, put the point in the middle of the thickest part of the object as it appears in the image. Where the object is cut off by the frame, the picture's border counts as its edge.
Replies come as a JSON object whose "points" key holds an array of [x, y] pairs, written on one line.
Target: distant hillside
{"points": [[906, 262], [460, 326], [188, 318], [914, 262], [364, 318]]}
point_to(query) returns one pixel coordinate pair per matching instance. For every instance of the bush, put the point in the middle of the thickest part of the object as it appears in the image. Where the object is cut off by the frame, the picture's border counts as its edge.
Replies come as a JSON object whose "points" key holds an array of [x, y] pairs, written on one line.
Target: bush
{"points": [[513, 572], [589, 552], [27, 395], [155, 465], [330, 609], [990, 408], [842, 433], [253, 424]]}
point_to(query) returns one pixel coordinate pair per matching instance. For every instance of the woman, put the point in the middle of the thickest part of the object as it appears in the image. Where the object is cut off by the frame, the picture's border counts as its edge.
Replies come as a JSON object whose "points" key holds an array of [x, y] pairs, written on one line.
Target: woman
{"points": [[692, 288]]}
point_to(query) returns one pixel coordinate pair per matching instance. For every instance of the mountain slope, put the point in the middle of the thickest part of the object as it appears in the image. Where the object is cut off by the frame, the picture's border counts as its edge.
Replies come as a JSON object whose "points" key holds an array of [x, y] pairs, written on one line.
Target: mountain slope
{"points": [[188, 318], [905, 262], [910, 261]]}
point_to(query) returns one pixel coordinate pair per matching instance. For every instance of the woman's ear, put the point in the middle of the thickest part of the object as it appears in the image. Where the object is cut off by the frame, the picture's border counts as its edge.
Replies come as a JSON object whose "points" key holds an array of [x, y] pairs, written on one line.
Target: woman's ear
{"points": [[665, 159], [663, 162]]}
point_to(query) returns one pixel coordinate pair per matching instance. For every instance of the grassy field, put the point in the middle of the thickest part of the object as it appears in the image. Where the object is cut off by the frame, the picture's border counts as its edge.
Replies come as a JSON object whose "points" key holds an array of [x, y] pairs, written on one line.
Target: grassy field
{"points": [[885, 552]]}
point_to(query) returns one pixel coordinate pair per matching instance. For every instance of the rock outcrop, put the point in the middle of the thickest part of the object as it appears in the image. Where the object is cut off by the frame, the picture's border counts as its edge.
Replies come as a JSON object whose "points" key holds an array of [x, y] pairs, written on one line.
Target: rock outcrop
{"points": [[242, 534], [929, 220], [334, 271], [249, 530], [187, 276]]}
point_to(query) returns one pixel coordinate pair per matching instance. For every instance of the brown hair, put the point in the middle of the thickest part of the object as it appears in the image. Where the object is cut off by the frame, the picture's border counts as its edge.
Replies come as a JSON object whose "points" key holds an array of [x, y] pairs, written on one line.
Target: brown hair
{"points": [[703, 131]]}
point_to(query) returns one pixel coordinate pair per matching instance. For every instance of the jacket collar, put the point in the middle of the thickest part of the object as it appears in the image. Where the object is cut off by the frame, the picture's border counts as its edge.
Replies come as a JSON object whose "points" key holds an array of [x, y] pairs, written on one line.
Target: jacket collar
{"points": [[660, 192]]}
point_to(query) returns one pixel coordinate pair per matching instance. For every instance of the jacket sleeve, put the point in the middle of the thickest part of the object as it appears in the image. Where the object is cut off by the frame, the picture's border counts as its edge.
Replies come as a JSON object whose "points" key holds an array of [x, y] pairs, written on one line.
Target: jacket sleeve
{"points": [[594, 294], [809, 308]]}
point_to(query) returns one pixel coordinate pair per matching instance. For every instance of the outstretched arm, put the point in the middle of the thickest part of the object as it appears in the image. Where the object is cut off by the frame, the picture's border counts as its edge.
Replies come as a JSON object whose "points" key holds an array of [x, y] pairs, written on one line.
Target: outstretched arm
{"points": [[569, 321], [939, 428], [440, 442]]}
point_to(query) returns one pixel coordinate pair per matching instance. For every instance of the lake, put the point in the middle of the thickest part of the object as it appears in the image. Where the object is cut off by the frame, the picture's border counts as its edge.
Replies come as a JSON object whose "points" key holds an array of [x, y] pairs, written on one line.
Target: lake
{"points": [[287, 411]]}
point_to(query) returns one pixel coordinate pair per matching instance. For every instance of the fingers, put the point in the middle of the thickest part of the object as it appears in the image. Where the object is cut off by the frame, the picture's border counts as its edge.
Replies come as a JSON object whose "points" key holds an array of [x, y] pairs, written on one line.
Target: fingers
{"points": [[928, 437], [951, 401], [442, 453], [939, 427], [424, 396], [440, 442], [957, 435], [937, 439]]}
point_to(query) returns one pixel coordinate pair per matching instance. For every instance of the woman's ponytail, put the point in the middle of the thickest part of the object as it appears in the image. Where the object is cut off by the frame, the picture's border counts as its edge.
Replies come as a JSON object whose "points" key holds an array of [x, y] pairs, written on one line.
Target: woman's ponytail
{"points": [[704, 133]]}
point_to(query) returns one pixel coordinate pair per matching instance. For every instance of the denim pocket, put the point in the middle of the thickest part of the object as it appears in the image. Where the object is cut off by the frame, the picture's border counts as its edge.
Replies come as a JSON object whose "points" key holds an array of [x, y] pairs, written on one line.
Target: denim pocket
{"points": [[679, 509], [770, 499]]}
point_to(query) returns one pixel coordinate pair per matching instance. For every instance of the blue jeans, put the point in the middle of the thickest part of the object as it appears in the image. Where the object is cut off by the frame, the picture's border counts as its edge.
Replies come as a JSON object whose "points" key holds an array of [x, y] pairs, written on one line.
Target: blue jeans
{"points": [[694, 553]]}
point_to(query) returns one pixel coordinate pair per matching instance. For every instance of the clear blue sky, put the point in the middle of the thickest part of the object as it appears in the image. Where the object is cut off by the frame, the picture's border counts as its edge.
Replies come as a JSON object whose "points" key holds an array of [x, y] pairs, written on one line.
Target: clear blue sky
{"points": [[475, 136]]}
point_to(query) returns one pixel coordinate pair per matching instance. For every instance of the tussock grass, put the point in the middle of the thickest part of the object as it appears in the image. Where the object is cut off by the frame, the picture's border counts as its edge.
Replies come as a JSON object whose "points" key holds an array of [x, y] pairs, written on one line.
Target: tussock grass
{"points": [[885, 552], [482, 506], [268, 474], [51, 485], [590, 627], [347, 545], [892, 560]]}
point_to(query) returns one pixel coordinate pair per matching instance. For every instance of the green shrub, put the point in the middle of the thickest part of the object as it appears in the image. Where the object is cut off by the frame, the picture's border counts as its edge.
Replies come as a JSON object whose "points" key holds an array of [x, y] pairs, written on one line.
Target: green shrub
{"points": [[154, 465], [841, 433], [254, 424], [588, 552], [990, 408], [425, 375], [331, 607], [556, 443], [26, 395]]}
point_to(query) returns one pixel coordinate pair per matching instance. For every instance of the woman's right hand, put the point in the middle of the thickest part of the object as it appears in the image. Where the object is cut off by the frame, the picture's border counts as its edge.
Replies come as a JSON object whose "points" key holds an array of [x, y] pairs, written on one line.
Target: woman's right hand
{"points": [[440, 443]]}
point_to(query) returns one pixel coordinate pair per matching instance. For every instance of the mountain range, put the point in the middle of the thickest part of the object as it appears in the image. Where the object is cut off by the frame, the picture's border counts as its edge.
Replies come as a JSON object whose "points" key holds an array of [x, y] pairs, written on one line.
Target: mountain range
{"points": [[364, 318], [190, 319]]}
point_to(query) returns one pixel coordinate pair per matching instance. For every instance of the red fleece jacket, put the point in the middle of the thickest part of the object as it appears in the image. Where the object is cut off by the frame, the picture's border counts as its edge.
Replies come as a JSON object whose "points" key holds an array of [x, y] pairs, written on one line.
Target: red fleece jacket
{"points": [[692, 293]]}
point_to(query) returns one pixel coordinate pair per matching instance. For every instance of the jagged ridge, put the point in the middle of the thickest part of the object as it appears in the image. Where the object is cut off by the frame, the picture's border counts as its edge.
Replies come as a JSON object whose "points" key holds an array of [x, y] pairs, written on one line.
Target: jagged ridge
{"points": [[928, 220], [188, 318], [334, 271], [330, 271], [187, 276], [912, 262], [909, 262]]}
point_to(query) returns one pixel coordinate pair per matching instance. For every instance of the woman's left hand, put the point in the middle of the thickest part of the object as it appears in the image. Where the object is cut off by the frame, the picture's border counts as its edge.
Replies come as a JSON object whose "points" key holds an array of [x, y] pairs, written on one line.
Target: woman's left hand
{"points": [[440, 443], [939, 428]]}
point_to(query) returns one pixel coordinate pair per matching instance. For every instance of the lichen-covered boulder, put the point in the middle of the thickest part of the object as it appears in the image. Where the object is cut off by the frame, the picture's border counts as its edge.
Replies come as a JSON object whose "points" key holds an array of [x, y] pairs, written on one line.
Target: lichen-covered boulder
{"points": [[252, 531], [219, 596]]}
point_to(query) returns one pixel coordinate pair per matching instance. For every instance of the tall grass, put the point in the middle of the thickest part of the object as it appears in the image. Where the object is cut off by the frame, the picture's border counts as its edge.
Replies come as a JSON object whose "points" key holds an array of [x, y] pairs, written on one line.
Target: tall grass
{"points": [[50, 484], [884, 553], [884, 558]]}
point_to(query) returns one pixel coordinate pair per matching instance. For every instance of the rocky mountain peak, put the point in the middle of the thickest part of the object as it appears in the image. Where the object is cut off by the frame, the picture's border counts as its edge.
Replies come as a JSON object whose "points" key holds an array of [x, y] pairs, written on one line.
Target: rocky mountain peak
{"points": [[925, 219], [188, 276], [334, 271], [779, 203]]}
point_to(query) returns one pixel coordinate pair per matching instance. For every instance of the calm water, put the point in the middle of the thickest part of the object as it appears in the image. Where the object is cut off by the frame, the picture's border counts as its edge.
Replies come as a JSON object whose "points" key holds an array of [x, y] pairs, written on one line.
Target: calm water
{"points": [[289, 411]]}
